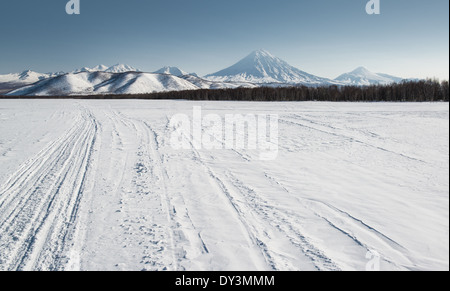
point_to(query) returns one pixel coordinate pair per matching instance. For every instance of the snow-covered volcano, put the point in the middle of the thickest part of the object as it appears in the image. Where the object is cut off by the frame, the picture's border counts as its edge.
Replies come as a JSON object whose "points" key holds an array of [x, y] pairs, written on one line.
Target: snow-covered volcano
{"points": [[262, 67], [363, 77]]}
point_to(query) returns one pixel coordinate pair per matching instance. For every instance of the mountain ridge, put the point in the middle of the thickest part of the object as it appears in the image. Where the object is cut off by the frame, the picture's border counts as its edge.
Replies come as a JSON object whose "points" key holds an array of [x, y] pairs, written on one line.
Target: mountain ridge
{"points": [[259, 68]]}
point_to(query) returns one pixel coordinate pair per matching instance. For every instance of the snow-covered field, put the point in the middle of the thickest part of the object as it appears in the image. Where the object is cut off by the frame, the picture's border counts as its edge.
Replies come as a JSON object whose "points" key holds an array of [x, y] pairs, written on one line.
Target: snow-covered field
{"points": [[96, 185]]}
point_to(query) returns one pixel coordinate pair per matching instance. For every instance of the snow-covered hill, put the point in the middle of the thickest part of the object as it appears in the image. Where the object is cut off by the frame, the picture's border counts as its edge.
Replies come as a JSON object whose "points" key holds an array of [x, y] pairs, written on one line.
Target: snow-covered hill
{"points": [[119, 68], [262, 67], [171, 71], [26, 77], [29, 77], [85, 83], [208, 84], [99, 68], [98, 82], [363, 77]]}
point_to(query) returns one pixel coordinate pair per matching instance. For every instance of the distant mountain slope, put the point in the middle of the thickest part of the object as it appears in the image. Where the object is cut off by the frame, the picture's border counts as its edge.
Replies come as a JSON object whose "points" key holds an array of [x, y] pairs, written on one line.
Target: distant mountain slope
{"points": [[171, 71], [363, 77], [99, 68], [86, 83], [393, 78], [119, 68], [26, 77], [208, 84], [17, 80], [262, 67]]}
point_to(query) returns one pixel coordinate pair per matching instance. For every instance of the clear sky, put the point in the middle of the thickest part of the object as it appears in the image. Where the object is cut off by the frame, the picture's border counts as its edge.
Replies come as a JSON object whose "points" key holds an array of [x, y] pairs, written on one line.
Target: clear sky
{"points": [[323, 37]]}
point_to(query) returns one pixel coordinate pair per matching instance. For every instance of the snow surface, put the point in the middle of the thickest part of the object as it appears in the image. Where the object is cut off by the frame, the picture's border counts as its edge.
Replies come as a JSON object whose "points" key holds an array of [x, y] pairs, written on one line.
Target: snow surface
{"points": [[95, 185]]}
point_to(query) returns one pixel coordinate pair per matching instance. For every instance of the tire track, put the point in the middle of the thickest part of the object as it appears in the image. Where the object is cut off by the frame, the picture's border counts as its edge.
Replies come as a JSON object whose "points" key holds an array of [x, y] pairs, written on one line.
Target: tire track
{"points": [[150, 172], [246, 202], [315, 126], [284, 223], [183, 223], [353, 228], [251, 231], [40, 201]]}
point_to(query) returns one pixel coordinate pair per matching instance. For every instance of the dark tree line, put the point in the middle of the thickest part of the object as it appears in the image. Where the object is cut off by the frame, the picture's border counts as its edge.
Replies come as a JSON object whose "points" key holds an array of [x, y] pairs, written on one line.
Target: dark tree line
{"points": [[407, 91], [411, 91]]}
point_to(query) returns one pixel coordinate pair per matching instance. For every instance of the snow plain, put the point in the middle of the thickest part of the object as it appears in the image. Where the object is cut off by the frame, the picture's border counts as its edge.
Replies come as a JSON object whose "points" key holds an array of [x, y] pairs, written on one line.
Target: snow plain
{"points": [[96, 185]]}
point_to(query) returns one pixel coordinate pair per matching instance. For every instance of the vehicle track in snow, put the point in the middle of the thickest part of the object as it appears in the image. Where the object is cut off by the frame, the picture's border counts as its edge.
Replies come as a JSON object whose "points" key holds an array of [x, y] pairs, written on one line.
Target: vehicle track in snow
{"points": [[175, 238], [258, 217], [364, 138], [360, 233], [39, 202], [145, 212]]}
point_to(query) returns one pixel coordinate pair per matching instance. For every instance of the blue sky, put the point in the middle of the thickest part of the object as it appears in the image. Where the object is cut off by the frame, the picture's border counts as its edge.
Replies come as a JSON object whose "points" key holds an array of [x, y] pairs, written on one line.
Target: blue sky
{"points": [[323, 37]]}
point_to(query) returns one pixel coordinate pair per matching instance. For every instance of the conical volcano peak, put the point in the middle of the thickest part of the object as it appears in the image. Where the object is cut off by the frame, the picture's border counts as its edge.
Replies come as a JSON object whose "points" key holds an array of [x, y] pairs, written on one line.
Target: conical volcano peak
{"points": [[361, 70], [262, 53], [261, 66]]}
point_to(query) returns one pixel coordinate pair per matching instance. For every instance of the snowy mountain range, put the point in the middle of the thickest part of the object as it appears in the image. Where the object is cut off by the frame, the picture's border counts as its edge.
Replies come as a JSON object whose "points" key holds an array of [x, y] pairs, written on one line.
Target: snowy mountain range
{"points": [[86, 83], [260, 68]]}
